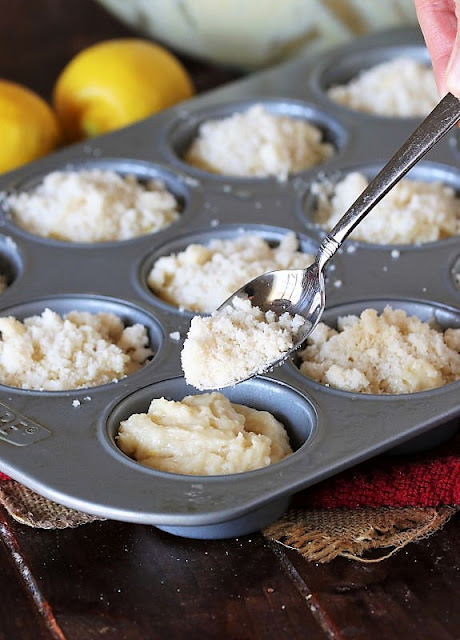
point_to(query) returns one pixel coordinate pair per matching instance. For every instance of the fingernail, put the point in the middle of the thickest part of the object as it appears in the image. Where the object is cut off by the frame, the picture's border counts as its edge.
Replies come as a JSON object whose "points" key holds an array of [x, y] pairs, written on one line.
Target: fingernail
{"points": [[453, 69]]}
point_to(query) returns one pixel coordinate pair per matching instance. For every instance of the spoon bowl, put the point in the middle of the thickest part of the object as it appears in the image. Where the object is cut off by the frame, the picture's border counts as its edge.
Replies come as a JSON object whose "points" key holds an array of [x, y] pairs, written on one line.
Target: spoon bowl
{"points": [[290, 291]]}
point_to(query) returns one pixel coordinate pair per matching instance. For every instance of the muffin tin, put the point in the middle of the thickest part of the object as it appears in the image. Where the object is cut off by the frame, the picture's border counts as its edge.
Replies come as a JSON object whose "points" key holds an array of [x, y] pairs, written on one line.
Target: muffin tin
{"points": [[61, 444]]}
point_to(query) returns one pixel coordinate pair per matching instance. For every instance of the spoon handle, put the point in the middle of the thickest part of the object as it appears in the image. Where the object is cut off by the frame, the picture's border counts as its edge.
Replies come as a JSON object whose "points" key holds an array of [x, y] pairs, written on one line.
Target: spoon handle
{"points": [[443, 117]]}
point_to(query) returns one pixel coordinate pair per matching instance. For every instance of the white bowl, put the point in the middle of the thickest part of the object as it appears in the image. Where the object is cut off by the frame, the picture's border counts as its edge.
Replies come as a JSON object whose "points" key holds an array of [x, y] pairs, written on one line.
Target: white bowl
{"points": [[251, 34]]}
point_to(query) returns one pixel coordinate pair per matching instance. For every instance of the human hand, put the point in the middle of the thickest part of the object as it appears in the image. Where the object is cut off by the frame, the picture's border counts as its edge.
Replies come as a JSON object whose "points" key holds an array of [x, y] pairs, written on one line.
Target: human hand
{"points": [[439, 23]]}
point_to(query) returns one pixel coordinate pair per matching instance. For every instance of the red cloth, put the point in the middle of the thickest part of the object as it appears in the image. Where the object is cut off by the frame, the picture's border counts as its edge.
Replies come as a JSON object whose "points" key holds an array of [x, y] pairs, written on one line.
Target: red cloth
{"points": [[421, 480]]}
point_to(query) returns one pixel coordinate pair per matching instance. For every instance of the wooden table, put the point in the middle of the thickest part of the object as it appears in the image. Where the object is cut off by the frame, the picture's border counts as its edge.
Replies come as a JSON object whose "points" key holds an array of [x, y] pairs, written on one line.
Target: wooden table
{"points": [[121, 581]]}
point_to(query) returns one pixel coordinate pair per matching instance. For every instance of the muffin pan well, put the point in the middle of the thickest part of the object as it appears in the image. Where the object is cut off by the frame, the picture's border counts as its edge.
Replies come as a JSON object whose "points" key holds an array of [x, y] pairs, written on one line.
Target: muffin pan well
{"points": [[62, 444]]}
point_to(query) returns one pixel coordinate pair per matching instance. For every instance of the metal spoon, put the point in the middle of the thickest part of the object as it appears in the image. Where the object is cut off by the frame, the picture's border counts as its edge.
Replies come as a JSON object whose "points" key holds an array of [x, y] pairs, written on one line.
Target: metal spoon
{"points": [[302, 291]]}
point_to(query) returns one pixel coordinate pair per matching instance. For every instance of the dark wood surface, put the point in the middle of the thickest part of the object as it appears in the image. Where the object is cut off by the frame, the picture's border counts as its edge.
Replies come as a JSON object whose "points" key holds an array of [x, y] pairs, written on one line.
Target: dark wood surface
{"points": [[122, 581]]}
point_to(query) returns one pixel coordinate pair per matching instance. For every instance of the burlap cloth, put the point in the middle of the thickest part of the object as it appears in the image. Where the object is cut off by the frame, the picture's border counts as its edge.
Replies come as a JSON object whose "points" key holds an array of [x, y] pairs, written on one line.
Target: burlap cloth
{"points": [[367, 513]]}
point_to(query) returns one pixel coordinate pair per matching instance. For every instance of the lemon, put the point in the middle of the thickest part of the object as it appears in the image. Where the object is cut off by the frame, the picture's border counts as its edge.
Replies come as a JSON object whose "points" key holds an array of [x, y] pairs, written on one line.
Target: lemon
{"points": [[29, 127], [116, 82]]}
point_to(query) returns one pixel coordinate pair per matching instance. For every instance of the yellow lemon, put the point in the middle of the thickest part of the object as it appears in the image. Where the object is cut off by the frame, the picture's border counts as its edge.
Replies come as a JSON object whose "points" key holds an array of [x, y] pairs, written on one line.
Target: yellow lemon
{"points": [[28, 124], [115, 83]]}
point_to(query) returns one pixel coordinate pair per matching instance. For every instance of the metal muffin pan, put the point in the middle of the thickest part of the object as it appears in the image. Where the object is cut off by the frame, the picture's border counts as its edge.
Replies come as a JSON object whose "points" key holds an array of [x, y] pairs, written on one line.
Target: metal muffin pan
{"points": [[62, 445]]}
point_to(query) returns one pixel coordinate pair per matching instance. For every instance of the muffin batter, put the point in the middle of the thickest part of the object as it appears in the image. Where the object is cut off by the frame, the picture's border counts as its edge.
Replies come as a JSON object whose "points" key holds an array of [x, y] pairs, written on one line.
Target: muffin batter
{"points": [[203, 435]]}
